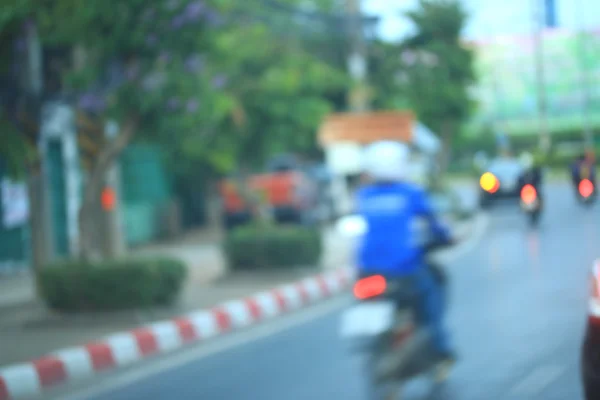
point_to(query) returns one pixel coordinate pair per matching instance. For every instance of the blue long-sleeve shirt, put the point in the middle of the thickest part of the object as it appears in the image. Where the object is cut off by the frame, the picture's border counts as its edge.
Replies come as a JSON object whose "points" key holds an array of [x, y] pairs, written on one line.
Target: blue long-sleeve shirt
{"points": [[391, 245]]}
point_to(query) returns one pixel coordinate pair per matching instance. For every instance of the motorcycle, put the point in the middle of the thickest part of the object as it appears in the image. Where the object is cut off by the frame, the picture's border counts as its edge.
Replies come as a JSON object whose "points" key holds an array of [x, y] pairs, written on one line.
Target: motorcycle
{"points": [[586, 192], [384, 325], [531, 203]]}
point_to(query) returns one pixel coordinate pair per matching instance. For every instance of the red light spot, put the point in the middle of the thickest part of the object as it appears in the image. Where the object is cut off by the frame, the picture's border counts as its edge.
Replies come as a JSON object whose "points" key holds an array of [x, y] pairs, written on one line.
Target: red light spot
{"points": [[528, 194], [496, 186], [586, 188], [108, 199], [369, 287]]}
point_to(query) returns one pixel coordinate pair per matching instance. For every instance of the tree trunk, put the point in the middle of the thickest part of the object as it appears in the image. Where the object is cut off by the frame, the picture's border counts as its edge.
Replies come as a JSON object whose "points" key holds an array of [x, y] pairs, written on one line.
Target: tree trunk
{"points": [[443, 159], [38, 214], [447, 132], [91, 210]]}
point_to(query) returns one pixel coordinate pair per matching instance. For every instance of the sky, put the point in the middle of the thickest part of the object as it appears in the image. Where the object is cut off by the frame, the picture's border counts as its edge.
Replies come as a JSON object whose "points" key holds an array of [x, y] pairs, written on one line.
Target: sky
{"points": [[489, 18]]}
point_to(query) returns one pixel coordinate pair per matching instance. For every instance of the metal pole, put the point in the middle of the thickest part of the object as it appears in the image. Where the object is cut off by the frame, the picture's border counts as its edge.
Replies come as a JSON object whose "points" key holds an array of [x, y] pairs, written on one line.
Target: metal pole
{"points": [[588, 135], [114, 238], [357, 59], [537, 13]]}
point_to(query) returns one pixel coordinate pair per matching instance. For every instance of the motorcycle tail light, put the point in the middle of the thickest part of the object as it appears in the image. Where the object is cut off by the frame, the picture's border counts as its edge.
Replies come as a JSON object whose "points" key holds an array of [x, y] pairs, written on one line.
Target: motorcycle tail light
{"points": [[371, 286], [528, 194], [586, 188]]}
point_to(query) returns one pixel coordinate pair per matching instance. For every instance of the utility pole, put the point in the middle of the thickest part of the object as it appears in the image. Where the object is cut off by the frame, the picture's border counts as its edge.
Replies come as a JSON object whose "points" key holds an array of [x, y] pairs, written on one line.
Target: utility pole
{"points": [[544, 137], [357, 59], [588, 135], [114, 241]]}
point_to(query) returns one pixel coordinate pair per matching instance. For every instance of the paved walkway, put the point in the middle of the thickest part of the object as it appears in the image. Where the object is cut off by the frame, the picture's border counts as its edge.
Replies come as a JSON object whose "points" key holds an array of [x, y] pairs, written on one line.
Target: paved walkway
{"points": [[28, 329]]}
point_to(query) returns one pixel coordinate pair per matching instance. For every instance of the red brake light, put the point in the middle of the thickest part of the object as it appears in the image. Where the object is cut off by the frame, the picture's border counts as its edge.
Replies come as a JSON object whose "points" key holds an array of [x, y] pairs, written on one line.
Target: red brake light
{"points": [[528, 194], [369, 287], [586, 188]]}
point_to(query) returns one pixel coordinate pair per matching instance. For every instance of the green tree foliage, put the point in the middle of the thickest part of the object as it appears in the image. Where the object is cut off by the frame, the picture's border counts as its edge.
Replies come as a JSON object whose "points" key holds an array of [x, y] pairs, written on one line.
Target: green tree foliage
{"points": [[439, 69], [281, 87], [386, 77]]}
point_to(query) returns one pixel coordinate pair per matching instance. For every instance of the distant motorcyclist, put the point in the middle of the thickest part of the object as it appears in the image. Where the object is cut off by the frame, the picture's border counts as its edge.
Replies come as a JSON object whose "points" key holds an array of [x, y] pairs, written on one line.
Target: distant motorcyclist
{"points": [[583, 167], [392, 206], [532, 172]]}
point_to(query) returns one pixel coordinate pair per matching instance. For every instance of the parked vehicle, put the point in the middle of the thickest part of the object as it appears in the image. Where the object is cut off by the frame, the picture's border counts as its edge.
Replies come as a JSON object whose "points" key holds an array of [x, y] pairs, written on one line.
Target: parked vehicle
{"points": [[286, 191]]}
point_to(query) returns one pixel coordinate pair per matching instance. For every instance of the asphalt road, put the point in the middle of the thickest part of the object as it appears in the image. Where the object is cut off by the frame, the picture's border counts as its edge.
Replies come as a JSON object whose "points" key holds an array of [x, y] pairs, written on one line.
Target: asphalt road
{"points": [[517, 316]]}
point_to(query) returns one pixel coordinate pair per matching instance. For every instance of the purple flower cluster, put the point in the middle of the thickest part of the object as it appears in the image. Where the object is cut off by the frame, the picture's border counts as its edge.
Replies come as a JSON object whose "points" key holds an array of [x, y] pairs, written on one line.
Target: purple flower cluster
{"points": [[164, 57], [192, 106], [91, 102], [194, 63], [132, 72], [173, 103], [213, 18], [177, 22], [219, 81], [151, 40], [193, 12]]}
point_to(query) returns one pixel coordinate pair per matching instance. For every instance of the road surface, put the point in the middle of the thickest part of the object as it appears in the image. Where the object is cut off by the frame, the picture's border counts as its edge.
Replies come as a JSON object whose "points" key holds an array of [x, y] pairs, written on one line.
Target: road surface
{"points": [[517, 316]]}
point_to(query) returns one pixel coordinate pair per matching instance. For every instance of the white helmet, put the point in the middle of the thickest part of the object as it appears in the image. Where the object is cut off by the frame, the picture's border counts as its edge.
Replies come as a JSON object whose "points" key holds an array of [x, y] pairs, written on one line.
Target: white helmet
{"points": [[387, 160]]}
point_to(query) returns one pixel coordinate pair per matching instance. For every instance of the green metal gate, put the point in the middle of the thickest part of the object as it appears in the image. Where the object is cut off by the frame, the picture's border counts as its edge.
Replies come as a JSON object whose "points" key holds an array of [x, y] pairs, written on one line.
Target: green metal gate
{"points": [[145, 189]]}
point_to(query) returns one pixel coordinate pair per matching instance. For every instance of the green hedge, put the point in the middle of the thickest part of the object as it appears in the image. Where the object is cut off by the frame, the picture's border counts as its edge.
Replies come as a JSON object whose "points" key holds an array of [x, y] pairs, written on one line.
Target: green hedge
{"points": [[250, 247], [73, 286]]}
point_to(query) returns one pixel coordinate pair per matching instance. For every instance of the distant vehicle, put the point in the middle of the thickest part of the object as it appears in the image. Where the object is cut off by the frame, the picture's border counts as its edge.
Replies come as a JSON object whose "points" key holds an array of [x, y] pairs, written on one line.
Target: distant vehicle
{"points": [[590, 355], [500, 180], [286, 189]]}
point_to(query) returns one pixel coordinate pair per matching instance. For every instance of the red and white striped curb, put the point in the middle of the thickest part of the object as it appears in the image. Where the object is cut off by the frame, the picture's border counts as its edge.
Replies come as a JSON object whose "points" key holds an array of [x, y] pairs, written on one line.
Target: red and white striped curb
{"points": [[23, 381]]}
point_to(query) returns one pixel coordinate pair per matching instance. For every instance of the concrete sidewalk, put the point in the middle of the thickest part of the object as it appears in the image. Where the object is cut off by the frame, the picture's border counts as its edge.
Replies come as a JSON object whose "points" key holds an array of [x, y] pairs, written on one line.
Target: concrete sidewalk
{"points": [[29, 330]]}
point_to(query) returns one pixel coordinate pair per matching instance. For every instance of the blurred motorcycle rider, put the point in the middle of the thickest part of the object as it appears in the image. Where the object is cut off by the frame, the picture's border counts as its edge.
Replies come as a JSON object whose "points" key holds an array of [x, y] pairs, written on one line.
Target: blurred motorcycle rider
{"points": [[583, 168], [532, 172], [391, 207]]}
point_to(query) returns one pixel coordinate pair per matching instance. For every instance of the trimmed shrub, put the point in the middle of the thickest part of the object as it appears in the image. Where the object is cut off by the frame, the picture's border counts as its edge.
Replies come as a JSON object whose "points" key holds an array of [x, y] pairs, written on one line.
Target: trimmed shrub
{"points": [[74, 285], [251, 247]]}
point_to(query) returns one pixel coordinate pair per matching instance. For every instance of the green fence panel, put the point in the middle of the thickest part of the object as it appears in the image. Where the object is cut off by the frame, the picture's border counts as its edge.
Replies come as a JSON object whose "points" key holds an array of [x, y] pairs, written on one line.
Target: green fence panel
{"points": [[145, 188], [143, 175]]}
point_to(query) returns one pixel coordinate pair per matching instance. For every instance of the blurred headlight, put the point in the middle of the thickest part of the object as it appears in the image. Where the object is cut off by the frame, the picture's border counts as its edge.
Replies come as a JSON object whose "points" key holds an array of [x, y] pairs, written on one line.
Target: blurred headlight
{"points": [[489, 182]]}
